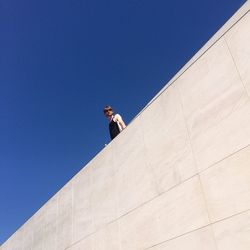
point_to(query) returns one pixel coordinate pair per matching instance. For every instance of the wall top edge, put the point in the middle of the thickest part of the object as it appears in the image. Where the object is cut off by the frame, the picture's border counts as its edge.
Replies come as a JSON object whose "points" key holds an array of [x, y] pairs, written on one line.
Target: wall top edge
{"points": [[239, 14]]}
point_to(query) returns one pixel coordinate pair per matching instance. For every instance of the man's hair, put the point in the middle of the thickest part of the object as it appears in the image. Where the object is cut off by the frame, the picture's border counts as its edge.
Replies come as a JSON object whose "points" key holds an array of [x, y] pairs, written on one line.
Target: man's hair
{"points": [[107, 107]]}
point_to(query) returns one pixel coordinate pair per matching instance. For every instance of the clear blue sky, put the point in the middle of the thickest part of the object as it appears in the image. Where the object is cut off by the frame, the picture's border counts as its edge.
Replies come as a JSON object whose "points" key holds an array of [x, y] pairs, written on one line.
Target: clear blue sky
{"points": [[61, 61]]}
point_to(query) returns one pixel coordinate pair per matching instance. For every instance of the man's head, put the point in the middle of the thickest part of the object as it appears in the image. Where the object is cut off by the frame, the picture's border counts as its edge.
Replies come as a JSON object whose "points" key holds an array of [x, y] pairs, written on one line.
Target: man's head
{"points": [[108, 111]]}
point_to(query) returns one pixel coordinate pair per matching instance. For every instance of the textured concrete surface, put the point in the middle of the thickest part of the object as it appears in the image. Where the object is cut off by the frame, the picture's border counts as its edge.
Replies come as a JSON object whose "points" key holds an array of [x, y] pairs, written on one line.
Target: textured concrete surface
{"points": [[178, 177]]}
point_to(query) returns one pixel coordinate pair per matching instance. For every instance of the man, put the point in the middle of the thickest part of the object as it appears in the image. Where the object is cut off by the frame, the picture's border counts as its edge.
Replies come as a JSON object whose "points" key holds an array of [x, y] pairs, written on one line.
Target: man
{"points": [[116, 124]]}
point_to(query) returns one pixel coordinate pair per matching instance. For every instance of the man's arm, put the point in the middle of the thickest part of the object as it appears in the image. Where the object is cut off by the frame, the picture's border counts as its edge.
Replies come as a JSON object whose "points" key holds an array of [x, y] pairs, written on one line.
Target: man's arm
{"points": [[120, 121]]}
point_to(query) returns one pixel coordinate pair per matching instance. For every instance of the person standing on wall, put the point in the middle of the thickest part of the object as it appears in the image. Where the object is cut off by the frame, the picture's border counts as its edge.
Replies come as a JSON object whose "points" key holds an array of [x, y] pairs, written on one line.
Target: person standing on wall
{"points": [[116, 124]]}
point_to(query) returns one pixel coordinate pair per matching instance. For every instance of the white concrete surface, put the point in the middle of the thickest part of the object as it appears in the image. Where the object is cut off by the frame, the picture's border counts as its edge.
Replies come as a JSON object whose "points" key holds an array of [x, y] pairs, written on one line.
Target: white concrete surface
{"points": [[178, 177]]}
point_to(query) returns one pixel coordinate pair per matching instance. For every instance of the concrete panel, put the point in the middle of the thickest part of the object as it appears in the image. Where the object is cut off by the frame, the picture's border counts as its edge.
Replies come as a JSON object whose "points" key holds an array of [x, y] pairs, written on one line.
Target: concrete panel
{"points": [[27, 235], [190, 86], [104, 199], [167, 142], [38, 224], [140, 228], [135, 180], [182, 210], [229, 136], [103, 167], [158, 148], [50, 225], [233, 233], [227, 186], [107, 238], [197, 240], [104, 203], [172, 214], [82, 210], [238, 41], [184, 161], [216, 91], [64, 221]]}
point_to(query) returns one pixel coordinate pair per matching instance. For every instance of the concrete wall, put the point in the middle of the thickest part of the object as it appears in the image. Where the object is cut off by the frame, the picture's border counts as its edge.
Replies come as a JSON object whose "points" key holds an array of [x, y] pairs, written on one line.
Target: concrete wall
{"points": [[177, 178]]}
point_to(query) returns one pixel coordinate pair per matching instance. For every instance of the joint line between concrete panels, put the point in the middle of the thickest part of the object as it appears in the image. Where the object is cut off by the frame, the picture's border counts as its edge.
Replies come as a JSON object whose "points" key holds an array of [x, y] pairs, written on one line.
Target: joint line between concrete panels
{"points": [[197, 229], [235, 64], [117, 219], [228, 156]]}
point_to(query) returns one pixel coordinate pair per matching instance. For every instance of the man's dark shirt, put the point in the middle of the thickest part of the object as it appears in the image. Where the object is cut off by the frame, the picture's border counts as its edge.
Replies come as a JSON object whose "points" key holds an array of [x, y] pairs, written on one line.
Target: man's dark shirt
{"points": [[113, 129]]}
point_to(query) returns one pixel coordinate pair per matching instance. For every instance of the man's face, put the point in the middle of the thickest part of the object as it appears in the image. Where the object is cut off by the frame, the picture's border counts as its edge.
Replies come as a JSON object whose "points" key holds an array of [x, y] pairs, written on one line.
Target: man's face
{"points": [[108, 112]]}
